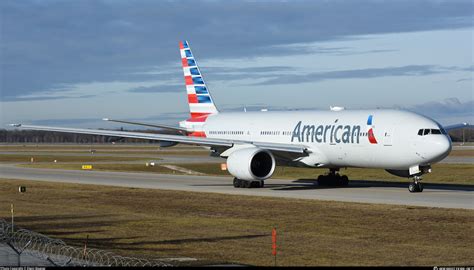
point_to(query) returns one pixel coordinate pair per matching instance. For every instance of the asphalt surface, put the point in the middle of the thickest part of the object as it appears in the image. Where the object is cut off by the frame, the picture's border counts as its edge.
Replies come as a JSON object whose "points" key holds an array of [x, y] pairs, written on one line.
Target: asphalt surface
{"points": [[434, 195], [8, 257]]}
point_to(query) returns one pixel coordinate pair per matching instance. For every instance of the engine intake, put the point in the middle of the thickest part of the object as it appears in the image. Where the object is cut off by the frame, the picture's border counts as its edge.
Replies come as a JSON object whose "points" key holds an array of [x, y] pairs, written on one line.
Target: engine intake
{"points": [[251, 164]]}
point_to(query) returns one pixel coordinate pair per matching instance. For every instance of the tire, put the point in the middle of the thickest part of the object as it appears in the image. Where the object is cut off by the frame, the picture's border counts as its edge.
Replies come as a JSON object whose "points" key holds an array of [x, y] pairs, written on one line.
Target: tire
{"points": [[420, 187], [412, 188], [322, 180], [262, 184], [345, 180], [236, 183], [246, 184]]}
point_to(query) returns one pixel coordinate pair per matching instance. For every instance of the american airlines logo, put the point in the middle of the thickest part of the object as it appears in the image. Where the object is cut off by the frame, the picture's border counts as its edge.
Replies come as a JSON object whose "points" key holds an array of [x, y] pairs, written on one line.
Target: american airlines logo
{"points": [[326, 133]]}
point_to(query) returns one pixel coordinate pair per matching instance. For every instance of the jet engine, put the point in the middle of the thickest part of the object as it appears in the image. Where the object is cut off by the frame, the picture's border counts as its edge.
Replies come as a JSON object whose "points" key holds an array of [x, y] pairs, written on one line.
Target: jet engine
{"points": [[251, 164]]}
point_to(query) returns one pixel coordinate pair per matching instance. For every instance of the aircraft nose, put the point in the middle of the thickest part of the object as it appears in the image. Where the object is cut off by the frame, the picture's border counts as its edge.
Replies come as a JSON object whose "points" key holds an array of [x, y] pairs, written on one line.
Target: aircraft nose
{"points": [[441, 147]]}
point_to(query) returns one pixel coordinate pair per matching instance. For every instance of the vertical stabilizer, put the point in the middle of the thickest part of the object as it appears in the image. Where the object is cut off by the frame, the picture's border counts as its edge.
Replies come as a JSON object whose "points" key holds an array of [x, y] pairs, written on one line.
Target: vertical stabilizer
{"points": [[200, 101]]}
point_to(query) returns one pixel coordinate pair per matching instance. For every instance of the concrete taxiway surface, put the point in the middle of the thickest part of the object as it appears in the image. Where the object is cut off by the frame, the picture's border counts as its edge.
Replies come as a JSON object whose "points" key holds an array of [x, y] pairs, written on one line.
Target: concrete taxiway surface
{"points": [[434, 195]]}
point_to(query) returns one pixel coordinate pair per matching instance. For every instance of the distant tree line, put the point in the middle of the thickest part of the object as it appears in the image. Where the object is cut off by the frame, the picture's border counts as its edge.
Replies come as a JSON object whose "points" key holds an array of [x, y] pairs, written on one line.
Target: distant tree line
{"points": [[460, 135], [34, 136]]}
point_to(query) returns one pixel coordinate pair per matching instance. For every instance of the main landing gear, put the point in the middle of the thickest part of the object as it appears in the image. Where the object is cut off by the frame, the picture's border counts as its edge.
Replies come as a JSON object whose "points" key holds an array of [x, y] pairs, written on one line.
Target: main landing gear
{"points": [[416, 186], [333, 178], [239, 183]]}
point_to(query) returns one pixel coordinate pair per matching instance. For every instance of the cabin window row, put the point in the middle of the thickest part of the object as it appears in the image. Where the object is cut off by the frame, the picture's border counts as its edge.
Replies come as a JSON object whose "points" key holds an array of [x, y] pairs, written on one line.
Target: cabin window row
{"points": [[269, 132], [226, 132]]}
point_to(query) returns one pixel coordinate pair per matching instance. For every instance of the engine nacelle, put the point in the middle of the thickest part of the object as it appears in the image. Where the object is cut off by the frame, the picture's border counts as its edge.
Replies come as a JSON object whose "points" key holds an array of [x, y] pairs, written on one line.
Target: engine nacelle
{"points": [[251, 164]]}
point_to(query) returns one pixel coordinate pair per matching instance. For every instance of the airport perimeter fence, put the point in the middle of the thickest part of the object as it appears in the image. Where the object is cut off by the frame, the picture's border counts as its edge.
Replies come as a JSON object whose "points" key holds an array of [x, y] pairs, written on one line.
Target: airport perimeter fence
{"points": [[56, 252]]}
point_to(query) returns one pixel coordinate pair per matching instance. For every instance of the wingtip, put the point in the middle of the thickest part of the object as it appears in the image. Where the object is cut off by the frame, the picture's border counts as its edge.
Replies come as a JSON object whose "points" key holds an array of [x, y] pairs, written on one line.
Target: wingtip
{"points": [[105, 119], [15, 125]]}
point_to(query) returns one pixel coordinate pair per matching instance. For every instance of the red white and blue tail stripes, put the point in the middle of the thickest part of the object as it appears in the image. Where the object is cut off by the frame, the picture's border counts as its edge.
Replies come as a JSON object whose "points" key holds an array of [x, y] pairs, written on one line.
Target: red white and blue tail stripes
{"points": [[199, 98]]}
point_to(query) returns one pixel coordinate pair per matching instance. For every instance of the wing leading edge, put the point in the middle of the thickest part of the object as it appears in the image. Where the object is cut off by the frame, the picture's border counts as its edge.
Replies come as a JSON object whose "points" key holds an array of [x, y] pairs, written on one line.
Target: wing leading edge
{"points": [[171, 138]]}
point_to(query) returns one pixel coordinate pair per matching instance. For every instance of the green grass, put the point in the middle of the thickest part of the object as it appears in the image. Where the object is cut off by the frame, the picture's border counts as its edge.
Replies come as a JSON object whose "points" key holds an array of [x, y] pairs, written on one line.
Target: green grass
{"points": [[217, 228]]}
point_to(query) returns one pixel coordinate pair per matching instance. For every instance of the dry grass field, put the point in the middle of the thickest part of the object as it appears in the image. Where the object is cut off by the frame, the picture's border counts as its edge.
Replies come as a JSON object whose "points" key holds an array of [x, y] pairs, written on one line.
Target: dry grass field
{"points": [[217, 228]]}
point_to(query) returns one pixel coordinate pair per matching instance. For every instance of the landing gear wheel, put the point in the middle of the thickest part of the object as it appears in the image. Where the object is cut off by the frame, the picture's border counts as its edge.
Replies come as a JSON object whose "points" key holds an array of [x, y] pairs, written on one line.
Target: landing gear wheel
{"points": [[344, 180], [322, 180], [415, 187], [246, 184], [420, 187], [236, 183], [262, 184], [412, 188]]}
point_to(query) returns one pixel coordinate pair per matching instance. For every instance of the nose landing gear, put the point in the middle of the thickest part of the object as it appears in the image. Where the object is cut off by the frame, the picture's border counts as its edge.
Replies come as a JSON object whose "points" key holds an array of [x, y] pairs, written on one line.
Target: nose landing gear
{"points": [[416, 186]]}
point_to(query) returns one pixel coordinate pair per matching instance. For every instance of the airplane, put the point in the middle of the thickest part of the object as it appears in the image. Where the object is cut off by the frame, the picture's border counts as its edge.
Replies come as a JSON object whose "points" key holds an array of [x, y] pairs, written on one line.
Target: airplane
{"points": [[403, 143]]}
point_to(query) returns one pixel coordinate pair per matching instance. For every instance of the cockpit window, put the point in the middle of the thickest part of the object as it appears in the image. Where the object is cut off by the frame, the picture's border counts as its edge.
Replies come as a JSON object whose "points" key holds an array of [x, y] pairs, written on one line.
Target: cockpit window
{"points": [[443, 131], [427, 131]]}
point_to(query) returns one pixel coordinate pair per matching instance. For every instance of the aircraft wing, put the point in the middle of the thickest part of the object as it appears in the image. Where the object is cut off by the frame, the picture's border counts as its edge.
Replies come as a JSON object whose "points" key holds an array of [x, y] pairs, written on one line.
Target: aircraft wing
{"points": [[289, 148], [147, 125], [451, 127]]}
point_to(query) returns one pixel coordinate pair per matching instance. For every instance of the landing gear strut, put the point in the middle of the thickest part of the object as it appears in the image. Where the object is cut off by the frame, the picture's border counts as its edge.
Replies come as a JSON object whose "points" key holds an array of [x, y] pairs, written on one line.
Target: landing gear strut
{"points": [[416, 186], [239, 183], [333, 178]]}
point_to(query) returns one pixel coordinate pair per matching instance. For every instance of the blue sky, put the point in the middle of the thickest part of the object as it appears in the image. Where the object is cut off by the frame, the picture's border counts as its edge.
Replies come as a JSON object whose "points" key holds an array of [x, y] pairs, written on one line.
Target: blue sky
{"points": [[71, 63]]}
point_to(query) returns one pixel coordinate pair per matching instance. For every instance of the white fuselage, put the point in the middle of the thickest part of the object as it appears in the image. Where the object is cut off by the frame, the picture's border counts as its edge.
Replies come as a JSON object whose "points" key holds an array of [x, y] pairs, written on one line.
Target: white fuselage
{"points": [[340, 138]]}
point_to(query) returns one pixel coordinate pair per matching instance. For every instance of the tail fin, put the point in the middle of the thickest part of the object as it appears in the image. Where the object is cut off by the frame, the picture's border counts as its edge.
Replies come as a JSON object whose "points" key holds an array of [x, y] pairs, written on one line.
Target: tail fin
{"points": [[200, 101]]}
